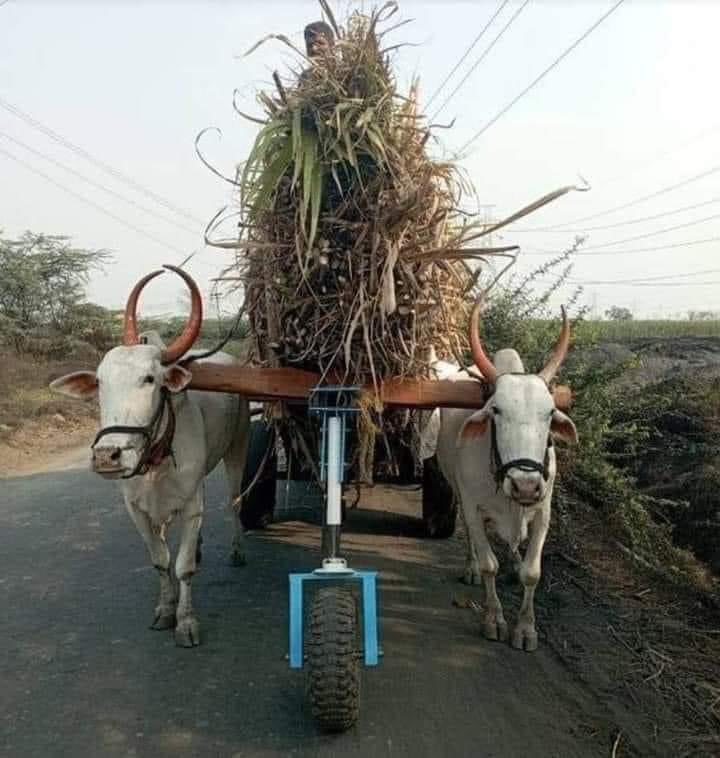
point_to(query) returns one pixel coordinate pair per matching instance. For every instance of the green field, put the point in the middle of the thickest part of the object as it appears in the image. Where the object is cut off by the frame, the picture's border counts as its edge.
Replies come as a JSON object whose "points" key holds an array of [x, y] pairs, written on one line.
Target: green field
{"points": [[640, 329]]}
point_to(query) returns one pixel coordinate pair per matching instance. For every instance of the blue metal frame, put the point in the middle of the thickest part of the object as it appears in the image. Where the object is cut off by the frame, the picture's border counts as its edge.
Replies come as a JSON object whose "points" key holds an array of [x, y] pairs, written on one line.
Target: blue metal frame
{"points": [[369, 612]]}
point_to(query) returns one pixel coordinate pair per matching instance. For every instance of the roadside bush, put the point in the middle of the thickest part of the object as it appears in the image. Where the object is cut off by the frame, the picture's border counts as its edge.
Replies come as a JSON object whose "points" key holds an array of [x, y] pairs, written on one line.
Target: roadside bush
{"points": [[212, 331], [612, 432]]}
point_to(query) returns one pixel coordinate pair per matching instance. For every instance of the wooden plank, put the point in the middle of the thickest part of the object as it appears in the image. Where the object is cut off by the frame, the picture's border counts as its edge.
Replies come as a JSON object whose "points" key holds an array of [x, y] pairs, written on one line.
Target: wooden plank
{"points": [[294, 384]]}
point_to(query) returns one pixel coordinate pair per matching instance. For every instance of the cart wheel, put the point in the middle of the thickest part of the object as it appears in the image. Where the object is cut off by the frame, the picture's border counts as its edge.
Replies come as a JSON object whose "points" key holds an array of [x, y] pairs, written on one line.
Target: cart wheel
{"points": [[438, 501], [258, 506], [333, 663]]}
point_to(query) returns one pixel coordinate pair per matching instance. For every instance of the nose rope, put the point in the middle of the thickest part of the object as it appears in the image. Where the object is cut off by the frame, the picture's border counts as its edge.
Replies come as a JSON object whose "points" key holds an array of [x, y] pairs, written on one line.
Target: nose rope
{"points": [[153, 452], [527, 465]]}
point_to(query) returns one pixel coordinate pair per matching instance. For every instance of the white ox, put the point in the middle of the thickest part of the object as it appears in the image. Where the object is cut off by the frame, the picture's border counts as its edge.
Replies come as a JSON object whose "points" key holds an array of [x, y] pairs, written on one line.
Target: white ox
{"points": [[161, 442], [500, 463]]}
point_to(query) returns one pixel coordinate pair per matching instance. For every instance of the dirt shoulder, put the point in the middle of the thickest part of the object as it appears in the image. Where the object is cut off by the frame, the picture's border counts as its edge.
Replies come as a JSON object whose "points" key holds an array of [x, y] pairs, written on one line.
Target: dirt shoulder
{"points": [[53, 443], [40, 430]]}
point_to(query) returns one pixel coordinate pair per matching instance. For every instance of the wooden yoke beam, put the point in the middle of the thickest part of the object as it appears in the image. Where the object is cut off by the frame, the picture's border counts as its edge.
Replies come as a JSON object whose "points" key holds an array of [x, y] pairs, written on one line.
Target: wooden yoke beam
{"points": [[295, 384], [264, 384]]}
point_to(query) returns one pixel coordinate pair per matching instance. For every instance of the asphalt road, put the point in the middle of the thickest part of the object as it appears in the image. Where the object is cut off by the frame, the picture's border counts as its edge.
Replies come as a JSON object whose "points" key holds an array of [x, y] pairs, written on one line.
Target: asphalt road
{"points": [[82, 675]]}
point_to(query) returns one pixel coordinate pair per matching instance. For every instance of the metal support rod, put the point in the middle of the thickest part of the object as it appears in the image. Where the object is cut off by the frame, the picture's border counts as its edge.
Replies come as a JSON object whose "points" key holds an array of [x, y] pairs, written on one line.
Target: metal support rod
{"points": [[331, 541]]}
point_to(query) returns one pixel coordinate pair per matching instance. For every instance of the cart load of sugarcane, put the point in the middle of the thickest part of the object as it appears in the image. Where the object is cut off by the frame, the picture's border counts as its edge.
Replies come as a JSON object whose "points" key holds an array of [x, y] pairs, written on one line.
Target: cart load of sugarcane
{"points": [[356, 255]]}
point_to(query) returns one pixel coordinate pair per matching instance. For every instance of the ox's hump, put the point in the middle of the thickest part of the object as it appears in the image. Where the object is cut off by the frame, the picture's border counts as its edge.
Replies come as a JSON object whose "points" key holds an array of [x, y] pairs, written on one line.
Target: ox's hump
{"points": [[508, 361]]}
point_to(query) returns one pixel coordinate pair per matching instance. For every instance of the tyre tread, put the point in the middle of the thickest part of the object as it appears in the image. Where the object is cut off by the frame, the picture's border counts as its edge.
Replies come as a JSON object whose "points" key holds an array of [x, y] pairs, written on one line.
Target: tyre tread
{"points": [[333, 659]]}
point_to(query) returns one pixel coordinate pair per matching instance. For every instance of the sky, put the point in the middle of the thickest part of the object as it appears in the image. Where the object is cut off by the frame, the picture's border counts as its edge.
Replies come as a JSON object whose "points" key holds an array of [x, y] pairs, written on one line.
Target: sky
{"points": [[633, 110]]}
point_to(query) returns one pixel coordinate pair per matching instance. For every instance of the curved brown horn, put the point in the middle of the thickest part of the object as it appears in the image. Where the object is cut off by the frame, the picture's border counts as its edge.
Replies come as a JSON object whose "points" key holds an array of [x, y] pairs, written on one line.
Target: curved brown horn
{"points": [[130, 332], [481, 360], [559, 351], [180, 345]]}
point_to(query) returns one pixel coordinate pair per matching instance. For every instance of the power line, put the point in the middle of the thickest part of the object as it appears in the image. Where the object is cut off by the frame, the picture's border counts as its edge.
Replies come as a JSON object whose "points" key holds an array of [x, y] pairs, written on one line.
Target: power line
{"points": [[638, 200], [654, 234], [98, 185], [465, 55], [91, 203], [663, 154], [33, 122], [541, 76], [629, 252], [650, 282], [654, 284], [620, 223], [483, 55], [645, 279]]}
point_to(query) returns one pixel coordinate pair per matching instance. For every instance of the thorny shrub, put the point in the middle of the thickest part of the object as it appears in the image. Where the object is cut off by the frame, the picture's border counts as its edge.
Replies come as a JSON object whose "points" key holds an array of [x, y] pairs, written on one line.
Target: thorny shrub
{"points": [[518, 315]]}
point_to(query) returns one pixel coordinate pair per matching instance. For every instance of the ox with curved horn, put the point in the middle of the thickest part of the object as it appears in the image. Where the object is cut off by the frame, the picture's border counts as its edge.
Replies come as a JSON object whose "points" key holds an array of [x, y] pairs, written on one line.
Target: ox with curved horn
{"points": [[500, 462], [161, 441], [180, 345]]}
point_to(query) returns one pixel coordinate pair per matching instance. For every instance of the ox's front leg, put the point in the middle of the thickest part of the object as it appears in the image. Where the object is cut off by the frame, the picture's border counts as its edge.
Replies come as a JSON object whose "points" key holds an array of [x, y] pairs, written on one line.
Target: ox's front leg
{"points": [[187, 631], [494, 626], [471, 574], [154, 537], [524, 636]]}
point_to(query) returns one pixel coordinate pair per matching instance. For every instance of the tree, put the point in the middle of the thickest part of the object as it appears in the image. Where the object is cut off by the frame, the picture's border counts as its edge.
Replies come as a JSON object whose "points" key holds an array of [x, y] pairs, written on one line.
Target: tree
{"points": [[702, 315], [42, 283], [618, 313]]}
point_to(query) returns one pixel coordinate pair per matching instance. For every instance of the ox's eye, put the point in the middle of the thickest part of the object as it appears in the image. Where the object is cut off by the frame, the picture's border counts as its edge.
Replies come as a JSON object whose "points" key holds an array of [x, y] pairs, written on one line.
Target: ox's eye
{"points": [[149, 379], [497, 411]]}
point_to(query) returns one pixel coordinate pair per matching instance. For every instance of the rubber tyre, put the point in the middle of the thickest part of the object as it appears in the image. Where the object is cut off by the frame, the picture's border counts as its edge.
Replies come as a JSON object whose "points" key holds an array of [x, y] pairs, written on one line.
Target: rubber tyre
{"points": [[333, 659], [439, 508], [258, 506]]}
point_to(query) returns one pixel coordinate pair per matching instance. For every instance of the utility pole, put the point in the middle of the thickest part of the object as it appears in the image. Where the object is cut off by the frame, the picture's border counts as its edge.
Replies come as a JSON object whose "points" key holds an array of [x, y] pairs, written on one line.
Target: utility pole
{"points": [[488, 219], [216, 297]]}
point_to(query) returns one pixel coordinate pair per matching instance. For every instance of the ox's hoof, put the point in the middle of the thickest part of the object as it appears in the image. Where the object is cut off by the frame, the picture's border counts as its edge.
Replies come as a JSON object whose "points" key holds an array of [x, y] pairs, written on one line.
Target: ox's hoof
{"points": [[524, 637], [187, 632], [164, 618], [472, 575], [237, 558], [495, 628]]}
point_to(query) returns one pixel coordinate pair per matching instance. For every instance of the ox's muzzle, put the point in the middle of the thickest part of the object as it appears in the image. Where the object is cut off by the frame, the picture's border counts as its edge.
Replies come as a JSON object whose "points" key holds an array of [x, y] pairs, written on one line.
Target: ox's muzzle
{"points": [[111, 461], [115, 462], [524, 487], [523, 480]]}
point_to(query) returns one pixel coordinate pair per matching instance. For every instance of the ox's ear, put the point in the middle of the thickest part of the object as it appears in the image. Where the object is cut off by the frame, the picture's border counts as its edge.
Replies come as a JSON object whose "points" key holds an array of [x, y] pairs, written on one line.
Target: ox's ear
{"points": [[563, 397], [177, 378], [81, 384], [475, 426], [562, 427]]}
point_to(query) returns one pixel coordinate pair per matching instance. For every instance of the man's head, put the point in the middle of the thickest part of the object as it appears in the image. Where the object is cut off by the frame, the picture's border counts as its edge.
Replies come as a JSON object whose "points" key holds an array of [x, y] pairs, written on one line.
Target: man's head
{"points": [[319, 39]]}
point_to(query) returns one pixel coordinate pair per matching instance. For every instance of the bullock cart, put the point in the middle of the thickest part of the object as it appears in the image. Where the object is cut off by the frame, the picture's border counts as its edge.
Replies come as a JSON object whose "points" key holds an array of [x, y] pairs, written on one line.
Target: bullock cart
{"points": [[340, 632], [355, 256]]}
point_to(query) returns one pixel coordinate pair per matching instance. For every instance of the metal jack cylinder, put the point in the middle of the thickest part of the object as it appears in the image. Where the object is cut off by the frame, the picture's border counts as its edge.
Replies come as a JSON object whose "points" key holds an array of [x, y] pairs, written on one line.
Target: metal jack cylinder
{"points": [[332, 405], [333, 483], [334, 471]]}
